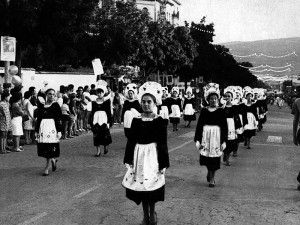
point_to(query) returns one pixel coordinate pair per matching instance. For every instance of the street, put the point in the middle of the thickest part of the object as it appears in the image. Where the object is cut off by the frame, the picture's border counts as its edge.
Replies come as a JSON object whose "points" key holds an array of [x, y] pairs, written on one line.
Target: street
{"points": [[259, 187]]}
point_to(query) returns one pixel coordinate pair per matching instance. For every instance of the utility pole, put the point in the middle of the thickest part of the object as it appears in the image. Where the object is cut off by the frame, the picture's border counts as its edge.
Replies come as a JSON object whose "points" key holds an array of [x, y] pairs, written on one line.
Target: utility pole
{"points": [[6, 83]]}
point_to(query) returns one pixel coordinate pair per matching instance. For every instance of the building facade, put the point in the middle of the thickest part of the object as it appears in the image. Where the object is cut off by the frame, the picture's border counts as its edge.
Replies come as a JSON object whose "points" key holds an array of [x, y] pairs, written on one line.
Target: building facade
{"points": [[167, 10]]}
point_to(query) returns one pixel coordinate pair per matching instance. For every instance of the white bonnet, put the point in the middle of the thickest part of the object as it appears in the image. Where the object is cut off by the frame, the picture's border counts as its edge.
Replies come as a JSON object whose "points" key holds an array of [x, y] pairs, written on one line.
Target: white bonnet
{"points": [[131, 87], [102, 84], [211, 88], [152, 88]]}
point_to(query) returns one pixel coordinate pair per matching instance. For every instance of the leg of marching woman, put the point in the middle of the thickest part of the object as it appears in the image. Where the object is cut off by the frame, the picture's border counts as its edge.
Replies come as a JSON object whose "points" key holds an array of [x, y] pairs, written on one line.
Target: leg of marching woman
{"points": [[153, 215], [46, 171], [146, 212]]}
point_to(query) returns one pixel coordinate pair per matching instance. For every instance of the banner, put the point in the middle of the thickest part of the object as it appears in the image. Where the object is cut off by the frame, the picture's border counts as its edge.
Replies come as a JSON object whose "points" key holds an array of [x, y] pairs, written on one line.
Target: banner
{"points": [[8, 49], [97, 66]]}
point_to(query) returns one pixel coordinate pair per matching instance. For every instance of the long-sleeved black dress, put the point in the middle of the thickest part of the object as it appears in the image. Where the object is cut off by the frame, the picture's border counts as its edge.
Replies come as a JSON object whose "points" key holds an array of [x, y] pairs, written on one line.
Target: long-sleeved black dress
{"points": [[211, 132], [48, 124], [101, 118], [147, 153]]}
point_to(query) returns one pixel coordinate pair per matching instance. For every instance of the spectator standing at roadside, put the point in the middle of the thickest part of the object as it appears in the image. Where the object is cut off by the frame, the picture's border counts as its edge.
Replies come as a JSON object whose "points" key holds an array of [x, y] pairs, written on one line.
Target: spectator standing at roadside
{"points": [[296, 136], [29, 124], [88, 104], [117, 108], [16, 114], [5, 121]]}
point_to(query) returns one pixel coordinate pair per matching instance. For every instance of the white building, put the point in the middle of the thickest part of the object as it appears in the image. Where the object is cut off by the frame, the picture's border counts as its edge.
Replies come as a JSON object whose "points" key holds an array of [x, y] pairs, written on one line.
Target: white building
{"points": [[158, 9], [161, 9]]}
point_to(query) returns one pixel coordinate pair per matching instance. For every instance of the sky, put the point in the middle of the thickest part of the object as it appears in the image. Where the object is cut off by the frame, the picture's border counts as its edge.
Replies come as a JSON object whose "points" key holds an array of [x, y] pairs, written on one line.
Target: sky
{"points": [[245, 20]]}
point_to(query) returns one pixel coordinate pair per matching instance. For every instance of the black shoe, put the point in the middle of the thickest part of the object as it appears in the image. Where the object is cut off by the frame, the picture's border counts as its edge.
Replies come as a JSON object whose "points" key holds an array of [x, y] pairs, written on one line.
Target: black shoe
{"points": [[105, 151], [53, 162], [212, 185], [98, 155], [45, 174]]}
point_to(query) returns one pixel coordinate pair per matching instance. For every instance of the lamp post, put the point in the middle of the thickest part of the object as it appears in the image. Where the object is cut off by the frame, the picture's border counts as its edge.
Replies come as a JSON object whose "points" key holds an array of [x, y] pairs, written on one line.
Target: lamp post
{"points": [[6, 84]]}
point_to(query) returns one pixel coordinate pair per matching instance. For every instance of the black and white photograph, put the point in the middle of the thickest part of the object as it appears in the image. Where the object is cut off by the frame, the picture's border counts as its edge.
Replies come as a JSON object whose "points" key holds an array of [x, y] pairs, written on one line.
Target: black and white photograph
{"points": [[150, 112]]}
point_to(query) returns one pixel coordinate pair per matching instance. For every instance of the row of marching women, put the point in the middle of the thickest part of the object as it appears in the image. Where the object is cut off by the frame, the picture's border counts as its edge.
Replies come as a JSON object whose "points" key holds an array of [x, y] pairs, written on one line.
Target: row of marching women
{"points": [[225, 122], [172, 106]]}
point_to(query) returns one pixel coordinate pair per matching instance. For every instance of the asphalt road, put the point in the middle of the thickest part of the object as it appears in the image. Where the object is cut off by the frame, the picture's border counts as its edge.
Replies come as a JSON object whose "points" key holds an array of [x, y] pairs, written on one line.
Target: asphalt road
{"points": [[258, 188]]}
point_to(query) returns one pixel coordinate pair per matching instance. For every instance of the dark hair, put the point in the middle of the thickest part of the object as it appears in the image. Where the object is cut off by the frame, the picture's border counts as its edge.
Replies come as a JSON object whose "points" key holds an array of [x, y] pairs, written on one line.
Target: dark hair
{"points": [[27, 94], [99, 90], [151, 96], [93, 86], [229, 93], [71, 86], [31, 89], [4, 94], [49, 89], [66, 89], [86, 87], [16, 97], [208, 96], [62, 89], [65, 100], [93, 92]]}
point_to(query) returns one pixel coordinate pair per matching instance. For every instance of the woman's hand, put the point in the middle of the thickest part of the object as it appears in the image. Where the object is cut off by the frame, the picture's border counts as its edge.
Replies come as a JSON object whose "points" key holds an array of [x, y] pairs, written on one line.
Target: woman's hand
{"points": [[223, 146], [128, 166], [59, 135], [162, 171], [198, 145]]}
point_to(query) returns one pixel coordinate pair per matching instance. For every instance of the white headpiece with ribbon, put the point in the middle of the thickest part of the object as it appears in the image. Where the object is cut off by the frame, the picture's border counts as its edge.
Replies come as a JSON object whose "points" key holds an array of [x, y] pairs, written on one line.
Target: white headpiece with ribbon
{"points": [[176, 89], [131, 87], [152, 88], [248, 90], [231, 90], [211, 88], [102, 84]]}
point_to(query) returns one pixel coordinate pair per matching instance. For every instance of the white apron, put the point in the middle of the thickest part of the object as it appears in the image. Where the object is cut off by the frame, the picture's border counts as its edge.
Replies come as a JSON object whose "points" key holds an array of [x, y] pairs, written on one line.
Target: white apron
{"points": [[144, 175]]}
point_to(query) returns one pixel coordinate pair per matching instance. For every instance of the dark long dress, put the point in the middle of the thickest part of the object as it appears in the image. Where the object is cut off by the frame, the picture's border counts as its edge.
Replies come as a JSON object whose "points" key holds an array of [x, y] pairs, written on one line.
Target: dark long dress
{"points": [[174, 101], [49, 150], [101, 133], [212, 158], [189, 101], [147, 132]]}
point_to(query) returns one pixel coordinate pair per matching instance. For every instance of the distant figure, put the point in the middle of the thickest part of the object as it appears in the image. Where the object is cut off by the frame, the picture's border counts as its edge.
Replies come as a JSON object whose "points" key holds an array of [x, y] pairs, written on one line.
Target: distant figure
{"points": [[296, 113]]}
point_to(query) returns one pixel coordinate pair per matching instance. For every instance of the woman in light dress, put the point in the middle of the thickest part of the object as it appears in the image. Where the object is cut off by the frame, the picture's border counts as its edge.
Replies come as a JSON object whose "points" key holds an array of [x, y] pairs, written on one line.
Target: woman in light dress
{"points": [[28, 125], [16, 120], [5, 121]]}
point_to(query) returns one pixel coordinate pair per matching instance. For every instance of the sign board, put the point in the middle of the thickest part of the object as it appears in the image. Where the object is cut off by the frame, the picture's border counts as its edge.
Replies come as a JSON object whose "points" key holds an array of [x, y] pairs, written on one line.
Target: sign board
{"points": [[97, 66], [8, 49]]}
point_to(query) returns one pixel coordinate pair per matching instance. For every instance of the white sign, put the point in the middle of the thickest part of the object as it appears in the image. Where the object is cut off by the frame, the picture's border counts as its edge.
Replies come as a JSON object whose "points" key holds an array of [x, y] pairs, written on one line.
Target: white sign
{"points": [[98, 68], [8, 49]]}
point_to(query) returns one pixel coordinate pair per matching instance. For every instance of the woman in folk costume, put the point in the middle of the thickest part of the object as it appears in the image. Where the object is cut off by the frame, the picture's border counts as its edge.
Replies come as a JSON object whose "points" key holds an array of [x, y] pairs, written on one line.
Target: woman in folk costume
{"points": [[238, 101], [131, 107], [211, 133], [189, 107], [163, 108], [175, 108], [233, 123], [251, 113], [101, 118], [48, 130], [146, 156], [262, 108]]}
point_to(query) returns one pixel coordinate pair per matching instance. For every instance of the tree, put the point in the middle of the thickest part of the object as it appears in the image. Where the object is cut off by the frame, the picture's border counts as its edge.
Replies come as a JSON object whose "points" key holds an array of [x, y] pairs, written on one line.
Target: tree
{"points": [[48, 31]]}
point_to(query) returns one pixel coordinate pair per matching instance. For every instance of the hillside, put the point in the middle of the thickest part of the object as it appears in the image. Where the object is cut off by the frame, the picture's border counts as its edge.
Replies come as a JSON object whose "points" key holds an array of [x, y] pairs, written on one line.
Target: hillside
{"points": [[272, 52]]}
